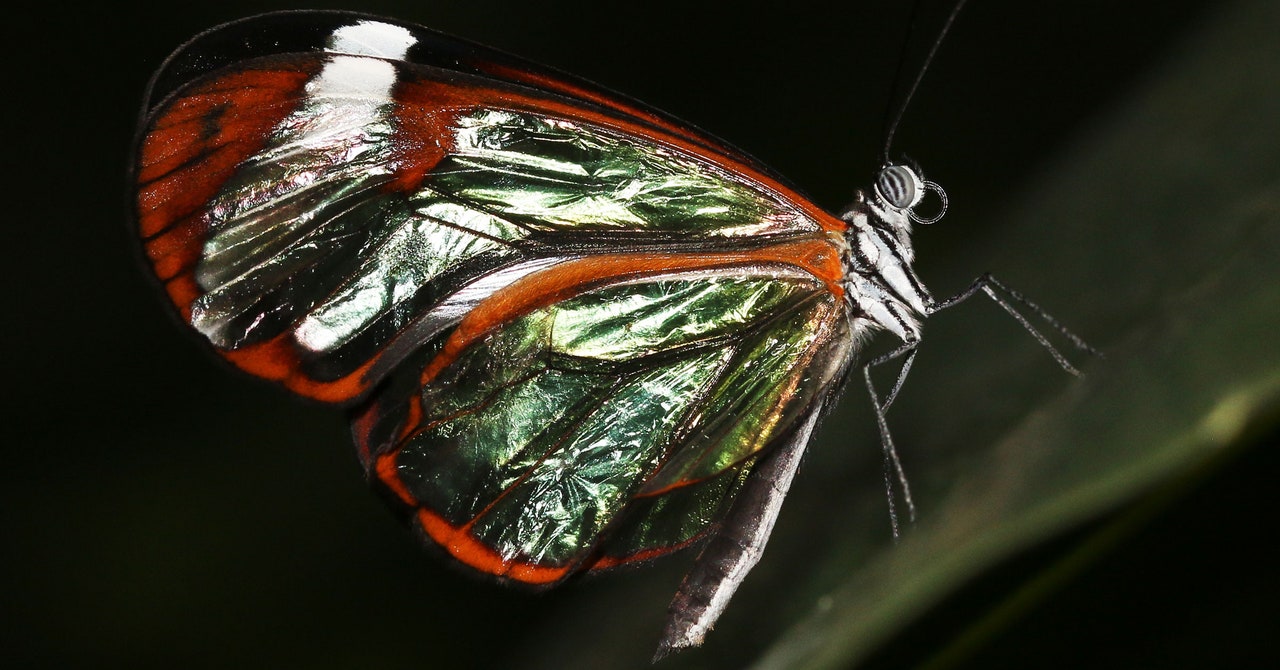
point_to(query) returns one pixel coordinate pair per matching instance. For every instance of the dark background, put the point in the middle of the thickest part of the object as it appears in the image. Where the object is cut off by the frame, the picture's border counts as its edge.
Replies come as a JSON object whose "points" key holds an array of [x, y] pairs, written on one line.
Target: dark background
{"points": [[160, 510]]}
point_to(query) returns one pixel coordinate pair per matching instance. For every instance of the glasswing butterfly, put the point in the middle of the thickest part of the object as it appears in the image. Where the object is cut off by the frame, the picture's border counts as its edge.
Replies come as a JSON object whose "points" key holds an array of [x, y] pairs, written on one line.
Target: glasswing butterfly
{"points": [[573, 332]]}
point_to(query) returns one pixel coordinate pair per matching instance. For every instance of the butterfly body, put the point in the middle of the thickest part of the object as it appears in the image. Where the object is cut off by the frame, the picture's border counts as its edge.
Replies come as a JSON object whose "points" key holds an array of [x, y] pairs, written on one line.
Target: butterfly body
{"points": [[573, 333]]}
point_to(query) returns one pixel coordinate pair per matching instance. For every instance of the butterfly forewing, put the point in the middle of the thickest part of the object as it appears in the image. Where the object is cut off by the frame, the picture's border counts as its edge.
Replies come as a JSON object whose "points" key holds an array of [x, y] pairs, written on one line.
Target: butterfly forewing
{"points": [[573, 324]]}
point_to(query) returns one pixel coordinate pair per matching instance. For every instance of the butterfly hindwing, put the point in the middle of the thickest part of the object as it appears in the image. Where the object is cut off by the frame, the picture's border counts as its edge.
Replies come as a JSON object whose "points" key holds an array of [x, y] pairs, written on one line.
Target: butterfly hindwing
{"points": [[606, 411]]}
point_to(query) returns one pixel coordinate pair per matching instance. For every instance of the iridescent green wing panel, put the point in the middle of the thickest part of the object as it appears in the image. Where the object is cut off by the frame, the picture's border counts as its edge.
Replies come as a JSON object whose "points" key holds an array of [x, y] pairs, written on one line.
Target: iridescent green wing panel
{"points": [[774, 378], [338, 250], [545, 371], [557, 175], [358, 211], [777, 377], [655, 525], [537, 440]]}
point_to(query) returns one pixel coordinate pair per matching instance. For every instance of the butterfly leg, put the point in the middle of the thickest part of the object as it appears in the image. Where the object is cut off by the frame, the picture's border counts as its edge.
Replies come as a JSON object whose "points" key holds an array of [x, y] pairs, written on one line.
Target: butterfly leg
{"points": [[990, 285], [892, 463]]}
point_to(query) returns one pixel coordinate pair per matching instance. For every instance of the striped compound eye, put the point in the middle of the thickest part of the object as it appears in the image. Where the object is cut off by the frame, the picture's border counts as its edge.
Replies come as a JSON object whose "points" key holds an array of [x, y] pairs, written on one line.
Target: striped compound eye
{"points": [[899, 187]]}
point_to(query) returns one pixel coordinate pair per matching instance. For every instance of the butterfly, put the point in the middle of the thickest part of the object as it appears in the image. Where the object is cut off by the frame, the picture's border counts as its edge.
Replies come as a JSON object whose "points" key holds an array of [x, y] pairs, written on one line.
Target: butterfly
{"points": [[572, 332]]}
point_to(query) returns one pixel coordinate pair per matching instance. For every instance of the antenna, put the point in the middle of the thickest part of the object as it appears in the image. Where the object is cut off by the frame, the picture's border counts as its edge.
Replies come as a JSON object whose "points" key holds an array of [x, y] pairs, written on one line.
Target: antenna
{"points": [[891, 120]]}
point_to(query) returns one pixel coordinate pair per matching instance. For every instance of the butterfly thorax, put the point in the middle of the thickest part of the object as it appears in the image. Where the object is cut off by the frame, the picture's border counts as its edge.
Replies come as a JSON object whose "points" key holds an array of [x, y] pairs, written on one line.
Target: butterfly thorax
{"points": [[880, 284]]}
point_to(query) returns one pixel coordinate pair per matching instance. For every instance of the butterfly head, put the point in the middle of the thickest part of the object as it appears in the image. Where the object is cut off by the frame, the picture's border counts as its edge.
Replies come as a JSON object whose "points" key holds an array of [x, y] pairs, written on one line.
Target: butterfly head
{"points": [[892, 204], [880, 282]]}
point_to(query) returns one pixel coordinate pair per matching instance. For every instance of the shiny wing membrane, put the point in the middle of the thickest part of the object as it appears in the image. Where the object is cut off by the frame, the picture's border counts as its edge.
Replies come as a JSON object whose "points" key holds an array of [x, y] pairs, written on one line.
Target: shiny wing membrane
{"points": [[570, 323]]}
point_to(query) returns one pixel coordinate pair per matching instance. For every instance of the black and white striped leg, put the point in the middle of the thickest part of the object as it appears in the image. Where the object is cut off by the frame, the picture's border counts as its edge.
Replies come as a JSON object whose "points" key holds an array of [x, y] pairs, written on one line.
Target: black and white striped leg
{"points": [[892, 464], [989, 285]]}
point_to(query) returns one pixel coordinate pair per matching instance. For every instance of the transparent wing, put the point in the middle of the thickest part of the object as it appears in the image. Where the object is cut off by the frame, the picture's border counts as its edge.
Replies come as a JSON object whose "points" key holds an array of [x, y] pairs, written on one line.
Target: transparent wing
{"points": [[319, 215], [592, 431]]}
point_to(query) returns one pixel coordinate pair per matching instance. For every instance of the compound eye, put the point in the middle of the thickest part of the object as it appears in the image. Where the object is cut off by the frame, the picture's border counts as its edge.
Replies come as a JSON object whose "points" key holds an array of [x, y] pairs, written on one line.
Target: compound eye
{"points": [[899, 187]]}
